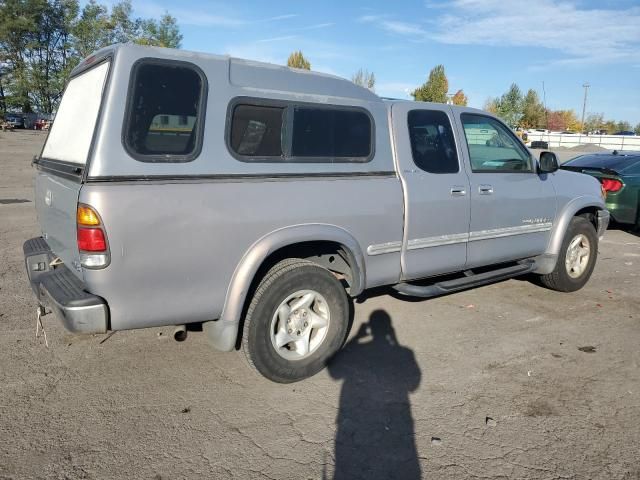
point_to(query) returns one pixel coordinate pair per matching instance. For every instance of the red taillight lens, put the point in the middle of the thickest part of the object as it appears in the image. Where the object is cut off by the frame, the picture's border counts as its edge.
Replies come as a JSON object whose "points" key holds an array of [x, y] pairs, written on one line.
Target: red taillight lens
{"points": [[91, 240], [611, 185]]}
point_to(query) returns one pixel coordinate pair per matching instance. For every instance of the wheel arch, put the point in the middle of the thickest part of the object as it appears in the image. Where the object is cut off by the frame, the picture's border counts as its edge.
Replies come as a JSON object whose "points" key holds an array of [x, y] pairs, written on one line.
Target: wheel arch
{"points": [[288, 242], [584, 205]]}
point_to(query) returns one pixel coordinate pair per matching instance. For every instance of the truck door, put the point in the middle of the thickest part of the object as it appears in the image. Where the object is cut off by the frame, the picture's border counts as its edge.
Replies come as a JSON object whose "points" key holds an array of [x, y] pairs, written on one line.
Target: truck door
{"points": [[436, 190], [512, 207]]}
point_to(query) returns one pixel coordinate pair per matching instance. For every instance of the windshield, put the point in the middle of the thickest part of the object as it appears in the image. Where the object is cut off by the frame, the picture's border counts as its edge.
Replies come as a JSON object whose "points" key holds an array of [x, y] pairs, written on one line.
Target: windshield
{"points": [[72, 130]]}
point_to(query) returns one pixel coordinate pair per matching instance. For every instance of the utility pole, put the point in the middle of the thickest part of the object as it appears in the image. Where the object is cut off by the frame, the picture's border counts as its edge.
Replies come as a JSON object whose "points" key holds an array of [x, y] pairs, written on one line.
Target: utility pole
{"points": [[584, 108]]}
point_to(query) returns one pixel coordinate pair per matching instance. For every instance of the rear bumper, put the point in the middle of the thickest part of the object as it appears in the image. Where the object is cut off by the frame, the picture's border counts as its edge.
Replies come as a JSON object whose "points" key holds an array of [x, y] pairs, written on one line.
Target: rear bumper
{"points": [[60, 290], [603, 222]]}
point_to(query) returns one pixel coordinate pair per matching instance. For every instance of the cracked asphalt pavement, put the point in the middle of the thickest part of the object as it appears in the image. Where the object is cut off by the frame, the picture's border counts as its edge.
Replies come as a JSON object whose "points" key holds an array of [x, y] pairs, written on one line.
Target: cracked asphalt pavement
{"points": [[505, 381]]}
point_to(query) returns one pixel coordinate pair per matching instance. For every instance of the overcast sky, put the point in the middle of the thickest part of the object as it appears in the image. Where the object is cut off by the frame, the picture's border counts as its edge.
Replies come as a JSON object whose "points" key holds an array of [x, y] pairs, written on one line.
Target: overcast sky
{"points": [[485, 45]]}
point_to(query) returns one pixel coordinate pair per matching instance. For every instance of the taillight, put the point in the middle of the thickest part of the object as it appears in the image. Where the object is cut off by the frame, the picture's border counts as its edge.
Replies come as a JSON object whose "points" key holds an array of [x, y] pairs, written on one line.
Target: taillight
{"points": [[92, 239], [611, 185]]}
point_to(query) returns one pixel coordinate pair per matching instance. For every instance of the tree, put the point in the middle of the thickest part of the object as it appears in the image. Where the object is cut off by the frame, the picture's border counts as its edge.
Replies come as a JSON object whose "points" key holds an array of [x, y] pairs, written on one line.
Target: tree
{"points": [[510, 106], [491, 105], [560, 120], [594, 122], [623, 126], [637, 129], [164, 33], [533, 114], [364, 79], [435, 88], [459, 98], [42, 40], [297, 60]]}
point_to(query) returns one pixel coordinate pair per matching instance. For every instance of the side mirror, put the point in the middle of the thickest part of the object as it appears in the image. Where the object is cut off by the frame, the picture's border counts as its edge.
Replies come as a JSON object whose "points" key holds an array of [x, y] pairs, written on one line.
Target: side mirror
{"points": [[548, 162]]}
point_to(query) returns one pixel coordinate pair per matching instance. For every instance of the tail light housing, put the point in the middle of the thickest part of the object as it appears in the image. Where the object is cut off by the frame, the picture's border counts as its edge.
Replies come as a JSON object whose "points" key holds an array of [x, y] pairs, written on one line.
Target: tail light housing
{"points": [[611, 185], [92, 238]]}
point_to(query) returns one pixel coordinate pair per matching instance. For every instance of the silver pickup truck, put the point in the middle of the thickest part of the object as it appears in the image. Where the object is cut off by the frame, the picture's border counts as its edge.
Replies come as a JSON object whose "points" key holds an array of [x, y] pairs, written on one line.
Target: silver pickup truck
{"points": [[177, 187]]}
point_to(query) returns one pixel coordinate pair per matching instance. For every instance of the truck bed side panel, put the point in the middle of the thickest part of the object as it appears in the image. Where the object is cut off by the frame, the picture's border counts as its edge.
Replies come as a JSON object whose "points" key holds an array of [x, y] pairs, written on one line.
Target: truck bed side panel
{"points": [[175, 246]]}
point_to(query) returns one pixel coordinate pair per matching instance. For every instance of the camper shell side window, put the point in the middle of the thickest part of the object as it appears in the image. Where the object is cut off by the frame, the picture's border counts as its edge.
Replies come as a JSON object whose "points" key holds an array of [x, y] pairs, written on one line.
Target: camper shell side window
{"points": [[166, 104], [274, 131]]}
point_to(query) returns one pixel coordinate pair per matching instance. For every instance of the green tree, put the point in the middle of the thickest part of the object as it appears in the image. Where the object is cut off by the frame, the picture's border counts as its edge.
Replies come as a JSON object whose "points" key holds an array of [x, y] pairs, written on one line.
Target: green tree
{"points": [[533, 114], [365, 79], [435, 88], [92, 30], [459, 98], [297, 60], [510, 106], [42, 40], [164, 33], [637, 129], [623, 126]]}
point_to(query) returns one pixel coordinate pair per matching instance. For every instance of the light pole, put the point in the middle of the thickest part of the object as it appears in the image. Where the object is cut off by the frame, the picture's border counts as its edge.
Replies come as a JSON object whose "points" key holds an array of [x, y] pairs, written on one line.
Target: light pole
{"points": [[584, 108]]}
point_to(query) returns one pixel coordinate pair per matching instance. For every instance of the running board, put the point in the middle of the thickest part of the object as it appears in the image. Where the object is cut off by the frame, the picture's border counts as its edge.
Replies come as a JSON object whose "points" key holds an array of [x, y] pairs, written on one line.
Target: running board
{"points": [[470, 280]]}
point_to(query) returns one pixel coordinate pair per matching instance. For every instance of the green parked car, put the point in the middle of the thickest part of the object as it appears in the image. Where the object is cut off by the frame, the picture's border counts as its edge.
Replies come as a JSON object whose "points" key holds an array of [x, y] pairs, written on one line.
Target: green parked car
{"points": [[619, 174]]}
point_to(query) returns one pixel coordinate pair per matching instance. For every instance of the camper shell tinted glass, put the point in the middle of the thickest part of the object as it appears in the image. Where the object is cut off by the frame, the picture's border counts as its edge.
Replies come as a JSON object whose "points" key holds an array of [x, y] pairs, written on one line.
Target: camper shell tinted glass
{"points": [[165, 114], [273, 131]]}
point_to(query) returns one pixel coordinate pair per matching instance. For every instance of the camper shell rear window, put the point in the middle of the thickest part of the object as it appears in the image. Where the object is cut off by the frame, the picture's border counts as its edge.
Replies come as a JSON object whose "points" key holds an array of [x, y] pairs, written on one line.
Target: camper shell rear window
{"points": [[165, 114]]}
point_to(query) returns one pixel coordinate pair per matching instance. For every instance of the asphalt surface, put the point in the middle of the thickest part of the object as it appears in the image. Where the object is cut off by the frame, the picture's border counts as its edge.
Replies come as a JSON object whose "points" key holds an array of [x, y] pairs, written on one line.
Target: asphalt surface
{"points": [[505, 381]]}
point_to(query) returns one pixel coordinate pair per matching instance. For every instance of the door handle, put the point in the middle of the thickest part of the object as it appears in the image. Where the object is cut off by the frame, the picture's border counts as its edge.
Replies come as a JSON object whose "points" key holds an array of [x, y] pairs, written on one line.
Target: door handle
{"points": [[458, 191], [485, 189]]}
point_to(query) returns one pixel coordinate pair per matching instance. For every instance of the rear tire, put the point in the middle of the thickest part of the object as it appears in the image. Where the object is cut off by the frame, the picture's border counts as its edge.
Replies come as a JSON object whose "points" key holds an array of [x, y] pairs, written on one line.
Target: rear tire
{"points": [[577, 258], [296, 321]]}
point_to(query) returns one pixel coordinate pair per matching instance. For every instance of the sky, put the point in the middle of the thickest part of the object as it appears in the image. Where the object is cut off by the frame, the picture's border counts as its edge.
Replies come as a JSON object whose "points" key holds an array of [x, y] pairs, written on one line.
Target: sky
{"points": [[485, 45]]}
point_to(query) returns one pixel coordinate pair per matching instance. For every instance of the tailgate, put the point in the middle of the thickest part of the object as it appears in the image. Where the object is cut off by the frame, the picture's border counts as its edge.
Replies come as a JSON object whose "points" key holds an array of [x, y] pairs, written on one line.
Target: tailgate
{"points": [[63, 160], [56, 203]]}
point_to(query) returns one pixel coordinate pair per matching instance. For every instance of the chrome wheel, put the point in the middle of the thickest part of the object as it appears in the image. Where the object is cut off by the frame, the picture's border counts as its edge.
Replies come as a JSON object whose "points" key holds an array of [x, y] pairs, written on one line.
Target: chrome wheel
{"points": [[577, 257], [300, 324]]}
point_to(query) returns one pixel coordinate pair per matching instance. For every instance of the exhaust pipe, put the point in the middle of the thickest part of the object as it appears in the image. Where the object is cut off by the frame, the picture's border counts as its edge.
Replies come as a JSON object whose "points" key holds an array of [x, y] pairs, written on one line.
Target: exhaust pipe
{"points": [[180, 333]]}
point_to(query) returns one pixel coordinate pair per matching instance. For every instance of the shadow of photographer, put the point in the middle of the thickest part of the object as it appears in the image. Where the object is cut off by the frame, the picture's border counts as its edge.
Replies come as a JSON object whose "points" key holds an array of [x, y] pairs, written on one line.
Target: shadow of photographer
{"points": [[375, 436]]}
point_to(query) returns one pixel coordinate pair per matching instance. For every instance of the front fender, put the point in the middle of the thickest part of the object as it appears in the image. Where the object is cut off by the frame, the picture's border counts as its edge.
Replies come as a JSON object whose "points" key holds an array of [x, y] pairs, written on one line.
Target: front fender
{"points": [[547, 261], [223, 333]]}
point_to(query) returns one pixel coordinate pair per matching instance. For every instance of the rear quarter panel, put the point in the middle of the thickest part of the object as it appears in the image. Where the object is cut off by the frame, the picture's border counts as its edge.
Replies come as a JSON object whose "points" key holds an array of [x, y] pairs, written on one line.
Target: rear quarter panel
{"points": [[175, 246]]}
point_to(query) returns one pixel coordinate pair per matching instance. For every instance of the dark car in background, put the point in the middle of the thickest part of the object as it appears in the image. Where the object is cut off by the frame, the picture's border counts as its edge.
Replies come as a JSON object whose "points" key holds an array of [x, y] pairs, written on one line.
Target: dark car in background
{"points": [[619, 174], [16, 120]]}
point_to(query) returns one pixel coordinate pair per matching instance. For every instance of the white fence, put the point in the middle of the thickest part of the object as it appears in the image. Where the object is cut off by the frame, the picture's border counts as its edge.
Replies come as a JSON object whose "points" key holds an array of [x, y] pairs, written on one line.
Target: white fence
{"points": [[610, 142]]}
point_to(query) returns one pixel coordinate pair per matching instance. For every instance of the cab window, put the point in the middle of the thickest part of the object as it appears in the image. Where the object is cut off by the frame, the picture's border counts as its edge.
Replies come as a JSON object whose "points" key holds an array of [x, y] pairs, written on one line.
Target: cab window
{"points": [[493, 147], [432, 144]]}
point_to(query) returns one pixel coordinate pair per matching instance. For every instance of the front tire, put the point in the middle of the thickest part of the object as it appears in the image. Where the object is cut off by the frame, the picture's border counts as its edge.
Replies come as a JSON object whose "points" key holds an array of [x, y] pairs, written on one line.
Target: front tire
{"points": [[296, 321], [577, 258]]}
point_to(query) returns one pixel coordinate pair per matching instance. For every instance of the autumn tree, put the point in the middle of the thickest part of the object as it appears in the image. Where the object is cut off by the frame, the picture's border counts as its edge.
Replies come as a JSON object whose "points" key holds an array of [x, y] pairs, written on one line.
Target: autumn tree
{"points": [[533, 113], [491, 105], [297, 60], [563, 120], [594, 122], [365, 79], [435, 88], [459, 98]]}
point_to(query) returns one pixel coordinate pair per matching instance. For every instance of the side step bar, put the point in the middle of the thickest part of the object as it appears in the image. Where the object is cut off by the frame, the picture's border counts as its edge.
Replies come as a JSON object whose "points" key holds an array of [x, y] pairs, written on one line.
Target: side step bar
{"points": [[470, 280]]}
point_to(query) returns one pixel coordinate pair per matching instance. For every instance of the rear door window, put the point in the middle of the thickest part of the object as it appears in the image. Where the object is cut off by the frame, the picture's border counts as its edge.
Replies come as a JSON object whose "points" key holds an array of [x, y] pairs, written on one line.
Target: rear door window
{"points": [[165, 113], [432, 144], [72, 130]]}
